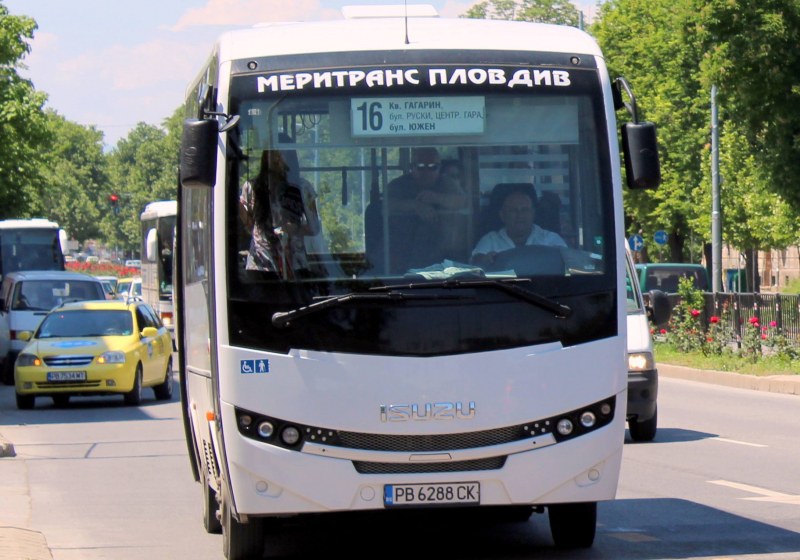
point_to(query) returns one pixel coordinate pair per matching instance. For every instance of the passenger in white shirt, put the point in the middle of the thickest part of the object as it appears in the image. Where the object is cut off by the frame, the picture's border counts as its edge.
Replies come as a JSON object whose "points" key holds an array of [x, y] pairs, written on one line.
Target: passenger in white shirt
{"points": [[517, 214]]}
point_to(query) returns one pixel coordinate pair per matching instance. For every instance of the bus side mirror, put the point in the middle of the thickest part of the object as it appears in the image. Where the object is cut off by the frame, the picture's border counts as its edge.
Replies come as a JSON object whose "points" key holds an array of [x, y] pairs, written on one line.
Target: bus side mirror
{"points": [[151, 245], [199, 153], [640, 148]]}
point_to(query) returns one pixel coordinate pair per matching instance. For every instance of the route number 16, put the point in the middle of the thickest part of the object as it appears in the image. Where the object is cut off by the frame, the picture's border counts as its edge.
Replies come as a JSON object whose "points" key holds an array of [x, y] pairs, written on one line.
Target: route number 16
{"points": [[371, 116]]}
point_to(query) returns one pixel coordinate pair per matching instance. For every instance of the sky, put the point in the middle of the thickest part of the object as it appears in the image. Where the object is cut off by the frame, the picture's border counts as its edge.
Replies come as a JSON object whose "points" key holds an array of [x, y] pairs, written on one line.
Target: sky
{"points": [[113, 64]]}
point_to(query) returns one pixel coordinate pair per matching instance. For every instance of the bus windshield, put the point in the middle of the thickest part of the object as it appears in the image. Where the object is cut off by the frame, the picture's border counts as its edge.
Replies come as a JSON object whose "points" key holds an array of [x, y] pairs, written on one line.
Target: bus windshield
{"points": [[30, 249], [336, 193]]}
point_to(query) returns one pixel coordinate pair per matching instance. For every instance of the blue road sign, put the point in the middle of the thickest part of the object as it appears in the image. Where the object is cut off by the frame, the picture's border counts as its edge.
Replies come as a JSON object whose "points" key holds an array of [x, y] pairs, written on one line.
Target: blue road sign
{"points": [[635, 242], [660, 237]]}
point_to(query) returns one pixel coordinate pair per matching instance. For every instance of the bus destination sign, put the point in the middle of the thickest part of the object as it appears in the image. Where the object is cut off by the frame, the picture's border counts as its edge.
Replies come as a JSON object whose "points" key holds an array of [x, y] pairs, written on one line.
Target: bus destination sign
{"points": [[417, 116]]}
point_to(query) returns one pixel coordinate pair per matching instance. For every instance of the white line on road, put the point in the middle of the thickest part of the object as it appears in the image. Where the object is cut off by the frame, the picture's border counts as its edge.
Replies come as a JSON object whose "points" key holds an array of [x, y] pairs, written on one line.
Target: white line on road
{"points": [[737, 442], [766, 495]]}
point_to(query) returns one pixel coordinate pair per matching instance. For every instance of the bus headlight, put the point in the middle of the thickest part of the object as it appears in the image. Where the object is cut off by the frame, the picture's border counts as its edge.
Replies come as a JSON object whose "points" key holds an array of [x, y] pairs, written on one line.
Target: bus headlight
{"points": [[640, 361], [564, 426], [27, 360], [290, 435], [265, 429]]}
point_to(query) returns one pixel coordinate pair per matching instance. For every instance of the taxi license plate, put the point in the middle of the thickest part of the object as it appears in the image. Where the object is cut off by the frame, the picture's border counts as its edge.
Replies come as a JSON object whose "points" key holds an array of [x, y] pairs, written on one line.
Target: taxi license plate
{"points": [[66, 376], [457, 493]]}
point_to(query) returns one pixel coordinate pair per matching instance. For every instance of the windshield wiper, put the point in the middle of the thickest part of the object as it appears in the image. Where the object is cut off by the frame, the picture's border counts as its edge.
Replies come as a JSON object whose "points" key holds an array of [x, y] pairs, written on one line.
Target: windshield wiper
{"points": [[282, 318], [507, 285]]}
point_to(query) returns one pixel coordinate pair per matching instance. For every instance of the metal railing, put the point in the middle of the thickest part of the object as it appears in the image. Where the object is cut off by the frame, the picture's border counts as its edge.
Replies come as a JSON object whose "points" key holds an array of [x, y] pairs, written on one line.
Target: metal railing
{"points": [[782, 310]]}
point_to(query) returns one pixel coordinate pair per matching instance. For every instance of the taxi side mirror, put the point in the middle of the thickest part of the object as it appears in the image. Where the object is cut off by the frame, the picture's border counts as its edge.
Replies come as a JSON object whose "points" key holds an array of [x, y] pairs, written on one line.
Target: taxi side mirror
{"points": [[149, 332]]}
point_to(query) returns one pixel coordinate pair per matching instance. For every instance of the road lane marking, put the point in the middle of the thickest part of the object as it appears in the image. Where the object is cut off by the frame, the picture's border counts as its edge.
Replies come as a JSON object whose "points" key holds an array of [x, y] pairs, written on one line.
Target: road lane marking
{"points": [[766, 495], [737, 442]]}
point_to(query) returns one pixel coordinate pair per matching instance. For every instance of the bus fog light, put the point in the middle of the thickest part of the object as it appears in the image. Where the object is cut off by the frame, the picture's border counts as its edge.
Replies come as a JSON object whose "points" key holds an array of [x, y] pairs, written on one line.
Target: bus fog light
{"points": [[588, 419], [266, 429], [605, 409], [564, 426], [290, 435], [245, 420]]}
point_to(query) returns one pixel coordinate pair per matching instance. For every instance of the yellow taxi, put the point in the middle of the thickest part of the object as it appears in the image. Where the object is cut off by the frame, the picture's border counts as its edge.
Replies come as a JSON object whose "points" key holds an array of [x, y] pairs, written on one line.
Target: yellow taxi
{"points": [[95, 348]]}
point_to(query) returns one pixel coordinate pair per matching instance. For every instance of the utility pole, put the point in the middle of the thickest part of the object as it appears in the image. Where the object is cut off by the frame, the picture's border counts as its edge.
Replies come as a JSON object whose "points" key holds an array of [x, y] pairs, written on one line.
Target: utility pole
{"points": [[716, 216]]}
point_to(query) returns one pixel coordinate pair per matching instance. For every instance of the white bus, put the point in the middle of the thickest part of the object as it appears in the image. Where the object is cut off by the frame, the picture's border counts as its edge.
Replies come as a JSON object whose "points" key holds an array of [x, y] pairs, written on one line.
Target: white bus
{"points": [[351, 355], [31, 244], [158, 239]]}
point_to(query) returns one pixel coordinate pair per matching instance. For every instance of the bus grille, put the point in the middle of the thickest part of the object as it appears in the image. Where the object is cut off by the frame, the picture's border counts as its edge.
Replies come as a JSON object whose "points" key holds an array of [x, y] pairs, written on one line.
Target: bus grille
{"points": [[443, 442], [492, 463]]}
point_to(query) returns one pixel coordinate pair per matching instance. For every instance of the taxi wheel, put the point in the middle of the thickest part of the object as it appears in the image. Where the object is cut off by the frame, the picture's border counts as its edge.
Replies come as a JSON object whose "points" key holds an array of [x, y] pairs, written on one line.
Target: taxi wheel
{"points": [[163, 391], [25, 402], [134, 396]]}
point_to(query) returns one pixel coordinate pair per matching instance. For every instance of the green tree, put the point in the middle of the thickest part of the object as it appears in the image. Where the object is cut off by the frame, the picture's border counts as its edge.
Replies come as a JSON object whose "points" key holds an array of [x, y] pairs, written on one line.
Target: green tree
{"points": [[142, 169], [74, 178], [22, 120], [653, 44], [751, 54], [561, 12]]}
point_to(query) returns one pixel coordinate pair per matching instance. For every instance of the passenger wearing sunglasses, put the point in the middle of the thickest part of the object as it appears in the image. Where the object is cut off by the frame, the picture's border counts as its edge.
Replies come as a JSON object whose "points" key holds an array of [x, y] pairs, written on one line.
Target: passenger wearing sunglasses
{"points": [[424, 190], [418, 203]]}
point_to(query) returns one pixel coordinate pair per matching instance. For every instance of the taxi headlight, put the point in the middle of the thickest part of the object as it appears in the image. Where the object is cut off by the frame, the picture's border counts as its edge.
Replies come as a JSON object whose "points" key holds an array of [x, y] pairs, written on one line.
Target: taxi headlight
{"points": [[640, 361], [27, 360], [111, 358]]}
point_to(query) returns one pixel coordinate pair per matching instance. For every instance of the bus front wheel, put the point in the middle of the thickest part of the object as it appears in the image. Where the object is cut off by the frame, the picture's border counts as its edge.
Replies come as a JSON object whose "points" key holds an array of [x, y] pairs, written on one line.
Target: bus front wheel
{"points": [[240, 541], [573, 525]]}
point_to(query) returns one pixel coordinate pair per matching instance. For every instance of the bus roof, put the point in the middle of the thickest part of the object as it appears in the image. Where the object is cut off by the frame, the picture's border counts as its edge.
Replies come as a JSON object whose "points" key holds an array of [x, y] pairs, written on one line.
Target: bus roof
{"points": [[389, 33], [33, 223], [160, 209]]}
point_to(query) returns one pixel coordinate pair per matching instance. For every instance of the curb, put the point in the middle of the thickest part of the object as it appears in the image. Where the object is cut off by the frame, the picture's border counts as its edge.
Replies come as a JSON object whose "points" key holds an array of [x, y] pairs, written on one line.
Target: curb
{"points": [[785, 384]]}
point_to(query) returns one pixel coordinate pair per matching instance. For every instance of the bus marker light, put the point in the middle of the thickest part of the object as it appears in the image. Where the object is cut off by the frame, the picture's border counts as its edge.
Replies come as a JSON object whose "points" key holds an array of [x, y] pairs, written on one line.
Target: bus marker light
{"points": [[266, 429], [210, 416], [588, 419]]}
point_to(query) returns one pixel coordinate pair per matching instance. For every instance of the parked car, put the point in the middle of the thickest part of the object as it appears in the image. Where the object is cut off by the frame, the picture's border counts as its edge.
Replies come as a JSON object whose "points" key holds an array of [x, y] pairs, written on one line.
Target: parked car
{"points": [[665, 276], [109, 289], [95, 348], [642, 411], [129, 288], [133, 263], [27, 296]]}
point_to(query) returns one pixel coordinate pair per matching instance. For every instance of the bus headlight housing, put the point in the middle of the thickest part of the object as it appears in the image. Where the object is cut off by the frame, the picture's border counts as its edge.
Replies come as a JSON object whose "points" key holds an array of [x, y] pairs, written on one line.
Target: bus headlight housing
{"points": [[641, 361]]}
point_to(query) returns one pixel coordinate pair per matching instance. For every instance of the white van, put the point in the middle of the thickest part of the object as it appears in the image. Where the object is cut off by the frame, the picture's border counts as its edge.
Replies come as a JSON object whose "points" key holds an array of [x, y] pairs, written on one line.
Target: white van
{"points": [[26, 297], [642, 412]]}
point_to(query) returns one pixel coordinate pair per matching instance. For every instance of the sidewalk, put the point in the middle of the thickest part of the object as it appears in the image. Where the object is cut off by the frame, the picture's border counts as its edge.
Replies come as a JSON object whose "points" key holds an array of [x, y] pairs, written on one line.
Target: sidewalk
{"points": [[23, 544], [786, 384]]}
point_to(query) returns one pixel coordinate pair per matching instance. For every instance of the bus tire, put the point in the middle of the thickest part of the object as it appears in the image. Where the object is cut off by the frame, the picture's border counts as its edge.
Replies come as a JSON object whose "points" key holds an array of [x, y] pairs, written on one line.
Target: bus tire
{"points": [[163, 391], [211, 511], [573, 525], [644, 431], [134, 396], [240, 541]]}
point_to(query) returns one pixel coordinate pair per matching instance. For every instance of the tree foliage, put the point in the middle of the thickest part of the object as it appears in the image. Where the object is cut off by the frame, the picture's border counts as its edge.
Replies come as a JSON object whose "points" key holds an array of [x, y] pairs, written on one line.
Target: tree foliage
{"points": [[74, 178], [561, 12], [22, 120], [753, 58]]}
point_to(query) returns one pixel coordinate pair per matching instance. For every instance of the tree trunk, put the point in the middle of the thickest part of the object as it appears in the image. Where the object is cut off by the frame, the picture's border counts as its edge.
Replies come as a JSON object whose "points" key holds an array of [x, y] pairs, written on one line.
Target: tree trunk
{"points": [[751, 269]]}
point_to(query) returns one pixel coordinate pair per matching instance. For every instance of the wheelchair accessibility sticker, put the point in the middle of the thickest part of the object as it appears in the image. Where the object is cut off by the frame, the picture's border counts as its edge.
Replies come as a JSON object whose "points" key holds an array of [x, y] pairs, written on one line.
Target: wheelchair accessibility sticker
{"points": [[253, 366]]}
